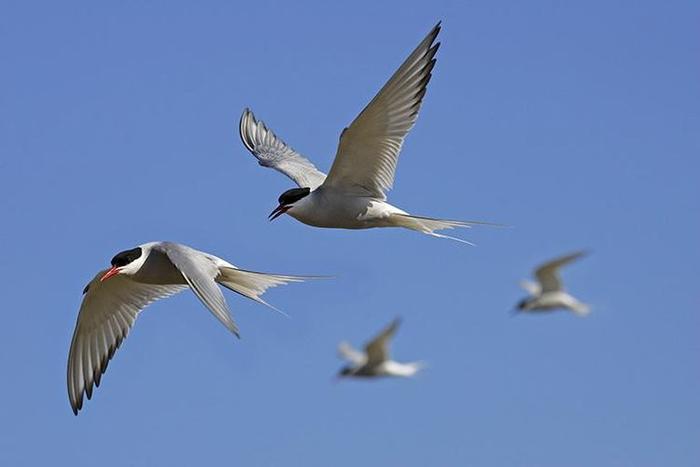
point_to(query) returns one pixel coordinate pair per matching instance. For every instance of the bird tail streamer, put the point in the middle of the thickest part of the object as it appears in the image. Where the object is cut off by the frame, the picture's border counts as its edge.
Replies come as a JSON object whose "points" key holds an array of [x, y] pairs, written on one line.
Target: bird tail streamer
{"points": [[429, 225]]}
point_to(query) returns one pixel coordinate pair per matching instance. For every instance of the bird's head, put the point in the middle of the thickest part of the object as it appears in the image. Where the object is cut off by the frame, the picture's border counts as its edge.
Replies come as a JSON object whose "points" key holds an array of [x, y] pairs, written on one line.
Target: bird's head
{"points": [[522, 305], [288, 200], [125, 262], [345, 371]]}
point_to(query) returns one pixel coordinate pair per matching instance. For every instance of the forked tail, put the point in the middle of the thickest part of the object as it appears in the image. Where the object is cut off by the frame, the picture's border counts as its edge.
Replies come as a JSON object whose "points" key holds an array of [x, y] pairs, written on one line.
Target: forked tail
{"points": [[253, 284], [429, 225]]}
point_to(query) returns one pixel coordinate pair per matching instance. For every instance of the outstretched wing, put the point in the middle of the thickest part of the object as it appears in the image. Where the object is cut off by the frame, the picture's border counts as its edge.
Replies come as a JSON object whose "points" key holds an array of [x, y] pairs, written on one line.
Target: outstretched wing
{"points": [[369, 148], [533, 288], [200, 272], [548, 273], [273, 152], [352, 355], [378, 348], [106, 315]]}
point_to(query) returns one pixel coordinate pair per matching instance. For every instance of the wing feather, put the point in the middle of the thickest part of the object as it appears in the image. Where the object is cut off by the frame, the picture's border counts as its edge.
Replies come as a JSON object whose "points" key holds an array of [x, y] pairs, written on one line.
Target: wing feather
{"points": [[272, 152], [378, 348], [352, 355], [369, 148], [532, 288], [200, 273], [106, 314], [548, 273]]}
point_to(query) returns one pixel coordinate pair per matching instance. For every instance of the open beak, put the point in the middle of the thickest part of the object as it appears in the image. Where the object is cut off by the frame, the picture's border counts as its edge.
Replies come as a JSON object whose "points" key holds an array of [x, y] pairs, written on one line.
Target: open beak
{"points": [[112, 272], [278, 211]]}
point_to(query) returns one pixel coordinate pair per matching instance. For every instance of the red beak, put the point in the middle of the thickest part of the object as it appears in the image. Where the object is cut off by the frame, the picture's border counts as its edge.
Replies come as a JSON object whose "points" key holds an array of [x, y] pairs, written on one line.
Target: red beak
{"points": [[278, 211], [112, 272]]}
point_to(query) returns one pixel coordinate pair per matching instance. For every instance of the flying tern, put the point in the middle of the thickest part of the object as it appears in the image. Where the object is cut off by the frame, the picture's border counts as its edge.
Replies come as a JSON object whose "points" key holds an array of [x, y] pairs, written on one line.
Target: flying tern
{"points": [[375, 360], [353, 194], [548, 292], [138, 277]]}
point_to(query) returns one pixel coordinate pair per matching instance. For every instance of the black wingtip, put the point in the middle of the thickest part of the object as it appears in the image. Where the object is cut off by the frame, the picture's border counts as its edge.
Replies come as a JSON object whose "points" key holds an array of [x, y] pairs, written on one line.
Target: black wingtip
{"points": [[77, 405], [242, 131]]}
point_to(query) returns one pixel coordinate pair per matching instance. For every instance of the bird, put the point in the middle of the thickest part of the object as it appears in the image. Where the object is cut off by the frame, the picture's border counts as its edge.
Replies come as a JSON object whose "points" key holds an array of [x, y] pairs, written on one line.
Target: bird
{"points": [[113, 299], [375, 360], [353, 194], [548, 292]]}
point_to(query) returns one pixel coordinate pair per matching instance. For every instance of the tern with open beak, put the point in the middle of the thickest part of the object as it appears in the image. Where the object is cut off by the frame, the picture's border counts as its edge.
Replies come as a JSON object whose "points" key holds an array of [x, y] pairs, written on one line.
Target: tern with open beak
{"points": [[353, 194]]}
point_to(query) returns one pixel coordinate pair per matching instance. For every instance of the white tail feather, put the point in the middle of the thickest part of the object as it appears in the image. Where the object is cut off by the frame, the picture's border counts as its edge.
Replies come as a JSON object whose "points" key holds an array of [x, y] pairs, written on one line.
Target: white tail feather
{"points": [[428, 225], [254, 284], [581, 309]]}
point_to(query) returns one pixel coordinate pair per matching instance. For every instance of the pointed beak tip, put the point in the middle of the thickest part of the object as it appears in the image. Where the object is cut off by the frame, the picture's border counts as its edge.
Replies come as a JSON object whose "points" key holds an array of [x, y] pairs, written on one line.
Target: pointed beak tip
{"points": [[278, 211], [113, 271]]}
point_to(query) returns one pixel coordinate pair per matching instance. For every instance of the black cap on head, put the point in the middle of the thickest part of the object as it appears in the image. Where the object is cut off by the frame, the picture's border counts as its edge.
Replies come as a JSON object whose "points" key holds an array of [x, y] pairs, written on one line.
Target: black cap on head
{"points": [[293, 195], [125, 257]]}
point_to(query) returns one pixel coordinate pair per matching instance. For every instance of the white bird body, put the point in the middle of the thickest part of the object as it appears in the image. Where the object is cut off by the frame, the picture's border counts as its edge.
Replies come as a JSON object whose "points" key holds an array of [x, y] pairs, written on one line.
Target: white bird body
{"points": [[326, 207], [138, 277], [549, 301], [393, 368], [353, 194], [548, 293], [375, 360]]}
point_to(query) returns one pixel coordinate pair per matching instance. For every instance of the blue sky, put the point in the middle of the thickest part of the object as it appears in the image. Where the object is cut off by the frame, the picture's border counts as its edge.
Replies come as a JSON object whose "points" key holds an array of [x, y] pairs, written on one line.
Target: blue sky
{"points": [[577, 125]]}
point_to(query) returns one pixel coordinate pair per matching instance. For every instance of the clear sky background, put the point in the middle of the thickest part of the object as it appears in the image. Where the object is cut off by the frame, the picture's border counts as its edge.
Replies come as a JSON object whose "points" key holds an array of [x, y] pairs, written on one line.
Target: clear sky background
{"points": [[577, 125]]}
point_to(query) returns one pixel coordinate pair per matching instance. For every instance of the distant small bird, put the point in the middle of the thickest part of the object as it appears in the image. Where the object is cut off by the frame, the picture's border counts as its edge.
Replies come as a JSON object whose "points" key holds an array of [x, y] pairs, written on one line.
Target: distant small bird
{"points": [[138, 277], [353, 195], [375, 360], [548, 293]]}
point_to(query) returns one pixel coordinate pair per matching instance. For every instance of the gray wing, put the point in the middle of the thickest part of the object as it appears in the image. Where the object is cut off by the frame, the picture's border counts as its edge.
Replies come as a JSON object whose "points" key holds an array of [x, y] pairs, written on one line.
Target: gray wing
{"points": [[369, 148], [275, 153], [352, 355], [378, 348], [533, 288], [548, 273], [200, 273], [108, 311]]}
